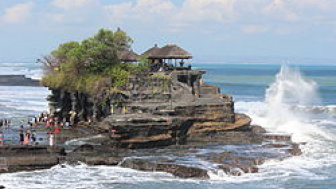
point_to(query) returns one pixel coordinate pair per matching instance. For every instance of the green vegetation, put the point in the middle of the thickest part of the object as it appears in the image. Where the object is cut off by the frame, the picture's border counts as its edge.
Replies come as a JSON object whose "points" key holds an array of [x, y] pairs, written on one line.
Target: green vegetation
{"points": [[91, 66]]}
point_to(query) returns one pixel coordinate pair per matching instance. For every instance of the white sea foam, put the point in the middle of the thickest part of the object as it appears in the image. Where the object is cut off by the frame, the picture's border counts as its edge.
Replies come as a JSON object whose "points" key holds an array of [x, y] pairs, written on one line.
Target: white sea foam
{"points": [[291, 105], [22, 101], [329, 110], [82, 176], [279, 113]]}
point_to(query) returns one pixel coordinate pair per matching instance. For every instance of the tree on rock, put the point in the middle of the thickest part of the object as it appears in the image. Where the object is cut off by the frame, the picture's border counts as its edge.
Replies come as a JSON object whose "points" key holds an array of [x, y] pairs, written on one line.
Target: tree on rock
{"points": [[90, 71], [82, 65]]}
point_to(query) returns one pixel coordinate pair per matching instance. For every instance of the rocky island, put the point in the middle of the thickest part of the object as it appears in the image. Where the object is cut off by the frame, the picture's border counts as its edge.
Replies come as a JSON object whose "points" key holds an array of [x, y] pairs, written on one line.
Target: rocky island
{"points": [[151, 112]]}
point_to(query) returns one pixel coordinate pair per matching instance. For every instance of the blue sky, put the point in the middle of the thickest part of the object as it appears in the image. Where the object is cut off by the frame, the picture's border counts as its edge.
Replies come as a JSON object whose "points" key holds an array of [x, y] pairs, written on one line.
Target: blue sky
{"points": [[212, 30]]}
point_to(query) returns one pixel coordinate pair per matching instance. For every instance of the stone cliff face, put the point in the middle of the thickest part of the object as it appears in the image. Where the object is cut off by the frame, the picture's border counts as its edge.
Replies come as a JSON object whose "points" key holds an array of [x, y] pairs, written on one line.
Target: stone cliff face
{"points": [[161, 109]]}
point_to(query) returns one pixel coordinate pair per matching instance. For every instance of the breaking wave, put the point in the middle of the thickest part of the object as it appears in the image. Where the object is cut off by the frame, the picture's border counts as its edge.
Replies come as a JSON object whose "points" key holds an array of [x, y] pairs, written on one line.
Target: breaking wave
{"points": [[292, 105]]}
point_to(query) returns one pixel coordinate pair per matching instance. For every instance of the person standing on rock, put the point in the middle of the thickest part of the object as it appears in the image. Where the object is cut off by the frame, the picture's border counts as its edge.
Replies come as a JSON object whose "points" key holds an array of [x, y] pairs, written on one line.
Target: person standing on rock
{"points": [[33, 137], [5, 124], [26, 139], [29, 135], [72, 117], [40, 119], [21, 136], [57, 129], [48, 124], [51, 139], [2, 139]]}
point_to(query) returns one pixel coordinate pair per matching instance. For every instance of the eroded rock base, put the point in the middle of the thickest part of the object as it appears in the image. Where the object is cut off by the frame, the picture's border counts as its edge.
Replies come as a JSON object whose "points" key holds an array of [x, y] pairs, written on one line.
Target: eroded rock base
{"points": [[221, 153]]}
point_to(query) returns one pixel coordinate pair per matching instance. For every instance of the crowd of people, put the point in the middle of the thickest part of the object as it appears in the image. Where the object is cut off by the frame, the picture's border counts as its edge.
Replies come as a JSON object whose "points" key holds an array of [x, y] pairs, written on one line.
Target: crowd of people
{"points": [[5, 123], [27, 133], [27, 137]]}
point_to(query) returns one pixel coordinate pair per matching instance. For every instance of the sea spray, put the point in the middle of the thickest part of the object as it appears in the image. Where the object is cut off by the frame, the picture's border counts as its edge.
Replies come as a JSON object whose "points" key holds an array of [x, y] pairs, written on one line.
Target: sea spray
{"points": [[291, 87], [290, 90], [293, 105]]}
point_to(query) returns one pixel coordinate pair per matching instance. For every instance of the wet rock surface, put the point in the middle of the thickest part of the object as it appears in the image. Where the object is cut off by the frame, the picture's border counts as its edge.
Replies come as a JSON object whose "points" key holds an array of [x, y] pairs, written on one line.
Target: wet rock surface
{"points": [[235, 152], [195, 159], [24, 158]]}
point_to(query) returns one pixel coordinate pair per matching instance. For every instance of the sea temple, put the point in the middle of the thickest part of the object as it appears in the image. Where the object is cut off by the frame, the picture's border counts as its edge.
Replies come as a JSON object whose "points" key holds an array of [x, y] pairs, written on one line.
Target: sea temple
{"points": [[167, 105], [121, 106]]}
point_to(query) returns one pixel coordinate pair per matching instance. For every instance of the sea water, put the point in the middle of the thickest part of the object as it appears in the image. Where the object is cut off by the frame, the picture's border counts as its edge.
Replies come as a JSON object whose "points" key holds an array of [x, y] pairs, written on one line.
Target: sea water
{"points": [[299, 100]]}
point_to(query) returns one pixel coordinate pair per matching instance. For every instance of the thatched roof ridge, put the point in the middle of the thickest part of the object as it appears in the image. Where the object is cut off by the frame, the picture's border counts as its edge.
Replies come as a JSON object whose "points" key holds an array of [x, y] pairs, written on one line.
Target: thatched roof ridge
{"points": [[170, 51], [151, 51], [128, 55]]}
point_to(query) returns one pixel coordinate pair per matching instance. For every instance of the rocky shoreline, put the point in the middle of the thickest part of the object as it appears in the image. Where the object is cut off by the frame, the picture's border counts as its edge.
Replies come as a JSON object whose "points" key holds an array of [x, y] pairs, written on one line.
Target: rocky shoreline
{"points": [[234, 153]]}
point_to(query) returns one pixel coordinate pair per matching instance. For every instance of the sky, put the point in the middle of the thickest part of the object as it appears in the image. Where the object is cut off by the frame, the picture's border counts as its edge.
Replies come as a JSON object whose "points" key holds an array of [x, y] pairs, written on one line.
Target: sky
{"points": [[265, 31]]}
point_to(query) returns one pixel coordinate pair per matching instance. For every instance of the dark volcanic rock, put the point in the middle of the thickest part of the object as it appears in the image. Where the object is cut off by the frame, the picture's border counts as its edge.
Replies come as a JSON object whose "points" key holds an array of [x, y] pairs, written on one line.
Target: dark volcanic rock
{"points": [[102, 160], [145, 130], [185, 171], [238, 169], [84, 148], [182, 171], [257, 129], [226, 137], [276, 137], [8, 151], [18, 158]]}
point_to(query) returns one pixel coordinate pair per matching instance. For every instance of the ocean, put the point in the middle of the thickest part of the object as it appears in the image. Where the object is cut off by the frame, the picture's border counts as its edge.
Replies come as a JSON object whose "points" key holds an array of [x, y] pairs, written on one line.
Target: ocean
{"points": [[296, 99]]}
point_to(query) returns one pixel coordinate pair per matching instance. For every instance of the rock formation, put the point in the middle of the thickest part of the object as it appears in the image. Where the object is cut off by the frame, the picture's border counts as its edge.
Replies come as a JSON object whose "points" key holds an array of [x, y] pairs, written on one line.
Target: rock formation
{"points": [[164, 120], [158, 109]]}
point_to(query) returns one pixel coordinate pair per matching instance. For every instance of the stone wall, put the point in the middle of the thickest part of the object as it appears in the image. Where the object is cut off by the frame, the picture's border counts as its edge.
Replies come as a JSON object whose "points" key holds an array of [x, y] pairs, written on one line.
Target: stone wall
{"points": [[148, 89], [155, 89]]}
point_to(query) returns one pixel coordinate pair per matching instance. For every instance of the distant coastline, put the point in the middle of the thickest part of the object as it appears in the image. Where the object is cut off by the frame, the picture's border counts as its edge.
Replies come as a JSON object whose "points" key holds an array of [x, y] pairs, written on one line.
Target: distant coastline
{"points": [[18, 80]]}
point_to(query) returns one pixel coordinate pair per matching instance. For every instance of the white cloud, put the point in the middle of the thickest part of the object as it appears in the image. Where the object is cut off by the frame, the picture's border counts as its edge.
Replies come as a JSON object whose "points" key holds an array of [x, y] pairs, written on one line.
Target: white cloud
{"points": [[57, 17], [18, 13], [141, 10], [255, 29], [250, 16], [255, 16], [153, 6], [117, 12], [203, 10], [324, 5], [74, 11], [70, 4]]}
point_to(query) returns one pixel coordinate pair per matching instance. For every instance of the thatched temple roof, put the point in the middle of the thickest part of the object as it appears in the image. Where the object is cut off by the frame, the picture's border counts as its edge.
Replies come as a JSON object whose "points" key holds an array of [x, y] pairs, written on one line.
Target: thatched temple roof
{"points": [[128, 56], [170, 51], [151, 51]]}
